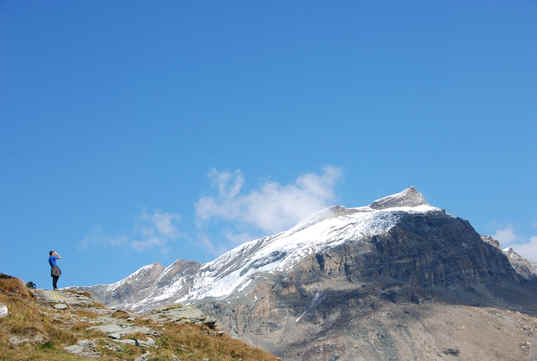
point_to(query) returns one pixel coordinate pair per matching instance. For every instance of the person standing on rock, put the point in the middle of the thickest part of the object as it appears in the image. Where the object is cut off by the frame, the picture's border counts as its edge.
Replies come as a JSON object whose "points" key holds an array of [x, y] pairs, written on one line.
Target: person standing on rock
{"points": [[55, 271]]}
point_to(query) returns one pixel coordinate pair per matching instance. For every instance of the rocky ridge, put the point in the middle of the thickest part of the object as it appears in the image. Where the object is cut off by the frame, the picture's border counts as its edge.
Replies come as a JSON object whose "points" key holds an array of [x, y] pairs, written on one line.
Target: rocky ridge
{"points": [[42, 323]]}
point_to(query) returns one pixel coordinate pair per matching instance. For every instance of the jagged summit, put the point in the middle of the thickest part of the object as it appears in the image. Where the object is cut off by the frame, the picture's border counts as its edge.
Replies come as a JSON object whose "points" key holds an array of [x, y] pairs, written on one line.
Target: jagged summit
{"points": [[236, 269], [409, 197]]}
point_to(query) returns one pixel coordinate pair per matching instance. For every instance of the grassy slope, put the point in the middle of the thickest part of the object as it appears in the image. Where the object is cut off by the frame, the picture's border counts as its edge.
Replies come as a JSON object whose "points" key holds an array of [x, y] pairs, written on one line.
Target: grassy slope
{"points": [[27, 318]]}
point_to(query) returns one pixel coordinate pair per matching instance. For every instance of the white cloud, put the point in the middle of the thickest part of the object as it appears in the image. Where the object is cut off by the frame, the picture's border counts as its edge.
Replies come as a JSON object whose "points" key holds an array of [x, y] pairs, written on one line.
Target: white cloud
{"points": [[527, 250], [271, 208], [162, 223], [506, 235], [155, 230], [229, 184]]}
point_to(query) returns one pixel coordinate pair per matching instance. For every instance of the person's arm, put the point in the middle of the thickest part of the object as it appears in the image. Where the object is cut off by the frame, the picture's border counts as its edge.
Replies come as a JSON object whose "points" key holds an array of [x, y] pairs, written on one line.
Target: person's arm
{"points": [[57, 255]]}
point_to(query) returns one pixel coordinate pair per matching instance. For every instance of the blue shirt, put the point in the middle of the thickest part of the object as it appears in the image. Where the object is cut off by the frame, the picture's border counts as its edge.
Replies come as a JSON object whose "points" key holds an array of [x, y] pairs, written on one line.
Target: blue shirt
{"points": [[52, 260]]}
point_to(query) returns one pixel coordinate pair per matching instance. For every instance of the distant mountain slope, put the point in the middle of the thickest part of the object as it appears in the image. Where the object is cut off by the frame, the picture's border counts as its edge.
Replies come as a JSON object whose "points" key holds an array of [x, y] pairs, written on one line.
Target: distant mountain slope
{"points": [[522, 266], [367, 283]]}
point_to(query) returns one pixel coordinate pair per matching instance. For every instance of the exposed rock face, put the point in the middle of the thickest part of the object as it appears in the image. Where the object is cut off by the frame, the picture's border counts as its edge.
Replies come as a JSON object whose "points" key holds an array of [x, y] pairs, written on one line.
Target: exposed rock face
{"points": [[130, 289], [336, 303], [370, 283], [521, 265], [410, 197], [488, 239]]}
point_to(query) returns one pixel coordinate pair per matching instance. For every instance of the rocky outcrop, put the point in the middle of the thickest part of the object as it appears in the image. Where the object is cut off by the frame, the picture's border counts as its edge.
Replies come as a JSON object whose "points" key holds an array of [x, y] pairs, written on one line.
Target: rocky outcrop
{"points": [[370, 296], [521, 265], [409, 197], [3, 310]]}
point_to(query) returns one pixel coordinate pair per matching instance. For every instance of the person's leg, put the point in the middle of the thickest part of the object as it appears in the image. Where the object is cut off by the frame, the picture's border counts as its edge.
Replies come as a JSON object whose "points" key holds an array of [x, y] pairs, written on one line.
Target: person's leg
{"points": [[55, 282]]}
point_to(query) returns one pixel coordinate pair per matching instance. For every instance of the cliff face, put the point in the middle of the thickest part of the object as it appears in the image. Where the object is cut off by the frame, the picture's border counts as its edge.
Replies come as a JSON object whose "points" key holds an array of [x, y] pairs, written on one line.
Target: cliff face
{"points": [[382, 297], [521, 265]]}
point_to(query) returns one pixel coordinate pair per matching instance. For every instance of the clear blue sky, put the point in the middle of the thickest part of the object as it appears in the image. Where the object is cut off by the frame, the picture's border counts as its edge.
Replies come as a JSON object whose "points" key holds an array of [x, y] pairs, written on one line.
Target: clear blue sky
{"points": [[135, 132]]}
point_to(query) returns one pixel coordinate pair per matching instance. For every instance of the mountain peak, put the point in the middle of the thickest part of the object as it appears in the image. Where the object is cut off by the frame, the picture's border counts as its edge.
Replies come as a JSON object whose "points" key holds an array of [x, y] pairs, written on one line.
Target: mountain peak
{"points": [[410, 197]]}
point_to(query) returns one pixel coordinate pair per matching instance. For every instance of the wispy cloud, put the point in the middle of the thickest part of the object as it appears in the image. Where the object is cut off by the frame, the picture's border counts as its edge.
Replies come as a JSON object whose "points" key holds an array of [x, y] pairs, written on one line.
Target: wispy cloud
{"points": [[527, 249], [270, 208], [273, 206], [150, 230], [525, 246], [505, 235]]}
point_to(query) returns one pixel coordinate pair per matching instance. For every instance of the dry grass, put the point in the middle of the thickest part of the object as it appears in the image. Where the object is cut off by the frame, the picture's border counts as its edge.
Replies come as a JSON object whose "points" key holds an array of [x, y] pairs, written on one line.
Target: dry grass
{"points": [[190, 342], [120, 314], [86, 313], [83, 293], [63, 328], [13, 286]]}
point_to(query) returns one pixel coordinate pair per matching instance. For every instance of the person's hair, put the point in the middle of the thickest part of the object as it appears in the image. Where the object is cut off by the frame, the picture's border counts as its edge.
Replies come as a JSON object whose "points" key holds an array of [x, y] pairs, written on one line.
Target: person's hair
{"points": [[50, 253]]}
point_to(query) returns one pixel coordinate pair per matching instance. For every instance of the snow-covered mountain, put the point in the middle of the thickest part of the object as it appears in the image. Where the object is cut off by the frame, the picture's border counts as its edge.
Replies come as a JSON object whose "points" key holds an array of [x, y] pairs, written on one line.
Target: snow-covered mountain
{"points": [[183, 281], [347, 279]]}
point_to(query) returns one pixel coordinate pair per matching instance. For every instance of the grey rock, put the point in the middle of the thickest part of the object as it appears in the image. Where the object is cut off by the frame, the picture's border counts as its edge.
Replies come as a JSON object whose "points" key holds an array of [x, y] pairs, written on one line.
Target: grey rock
{"points": [[4, 312], [111, 346], [488, 239], [63, 296], [149, 342], [410, 197], [144, 357], [84, 348], [129, 341], [33, 339], [116, 331], [522, 266], [60, 306]]}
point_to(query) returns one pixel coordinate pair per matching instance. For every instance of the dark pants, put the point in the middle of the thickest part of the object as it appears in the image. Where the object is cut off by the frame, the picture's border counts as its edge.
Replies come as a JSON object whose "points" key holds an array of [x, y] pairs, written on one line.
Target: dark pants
{"points": [[55, 281]]}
